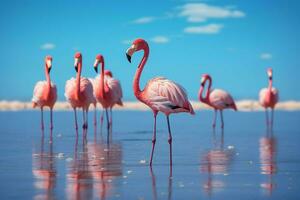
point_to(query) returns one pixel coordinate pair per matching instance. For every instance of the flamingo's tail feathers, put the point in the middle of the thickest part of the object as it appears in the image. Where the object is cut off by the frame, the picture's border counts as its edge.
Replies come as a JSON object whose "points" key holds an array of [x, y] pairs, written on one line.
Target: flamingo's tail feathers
{"points": [[234, 107], [34, 104], [190, 108], [120, 103]]}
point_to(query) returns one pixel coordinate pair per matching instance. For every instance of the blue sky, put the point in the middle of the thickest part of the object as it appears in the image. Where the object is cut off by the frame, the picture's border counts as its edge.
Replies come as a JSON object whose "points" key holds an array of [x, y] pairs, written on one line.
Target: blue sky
{"points": [[234, 41]]}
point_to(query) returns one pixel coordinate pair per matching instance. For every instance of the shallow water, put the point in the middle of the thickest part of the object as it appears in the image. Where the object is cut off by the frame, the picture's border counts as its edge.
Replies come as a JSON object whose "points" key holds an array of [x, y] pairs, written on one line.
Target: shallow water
{"points": [[244, 162]]}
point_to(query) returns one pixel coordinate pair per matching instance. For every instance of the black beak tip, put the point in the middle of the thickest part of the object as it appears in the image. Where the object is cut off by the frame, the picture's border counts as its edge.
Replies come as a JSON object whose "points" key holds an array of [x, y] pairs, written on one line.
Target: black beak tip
{"points": [[128, 57], [49, 69], [96, 69], [76, 68]]}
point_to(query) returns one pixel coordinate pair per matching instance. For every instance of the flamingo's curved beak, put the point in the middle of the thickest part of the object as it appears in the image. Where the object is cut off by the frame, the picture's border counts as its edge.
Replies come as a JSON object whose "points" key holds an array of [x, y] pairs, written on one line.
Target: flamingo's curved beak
{"points": [[49, 65], [96, 65], [130, 52], [76, 64], [128, 57]]}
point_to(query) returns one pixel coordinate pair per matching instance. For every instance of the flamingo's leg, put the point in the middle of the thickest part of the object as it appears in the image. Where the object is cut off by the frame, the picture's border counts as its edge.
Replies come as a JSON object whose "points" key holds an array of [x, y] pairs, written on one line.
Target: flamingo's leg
{"points": [[107, 121], [215, 118], [75, 115], [101, 119], [110, 120], [87, 118], [267, 117], [95, 116], [170, 141], [153, 138], [272, 117], [51, 118], [42, 118], [83, 119], [222, 121]]}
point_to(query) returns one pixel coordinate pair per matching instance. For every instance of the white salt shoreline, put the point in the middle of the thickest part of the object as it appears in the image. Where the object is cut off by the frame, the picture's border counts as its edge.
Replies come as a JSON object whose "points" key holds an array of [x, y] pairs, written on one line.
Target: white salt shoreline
{"points": [[243, 105]]}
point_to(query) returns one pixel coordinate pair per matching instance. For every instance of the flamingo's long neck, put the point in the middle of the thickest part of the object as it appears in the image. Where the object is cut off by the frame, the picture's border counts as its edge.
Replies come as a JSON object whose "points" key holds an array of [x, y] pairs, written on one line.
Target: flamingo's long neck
{"points": [[48, 81], [78, 80], [136, 82], [102, 92], [206, 98]]}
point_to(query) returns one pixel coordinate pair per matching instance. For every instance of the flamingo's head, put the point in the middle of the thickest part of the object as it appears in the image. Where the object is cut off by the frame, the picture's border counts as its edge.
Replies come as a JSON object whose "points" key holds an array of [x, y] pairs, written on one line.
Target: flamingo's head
{"points": [[270, 73], [108, 73], [137, 45], [204, 78], [78, 59], [99, 59], [48, 61]]}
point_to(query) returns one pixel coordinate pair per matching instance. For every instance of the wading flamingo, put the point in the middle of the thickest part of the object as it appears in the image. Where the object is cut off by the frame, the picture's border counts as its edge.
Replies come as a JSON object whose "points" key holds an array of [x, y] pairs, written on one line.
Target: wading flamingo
{"points": [[107, 90], [216, 98], [45, 93], [160, 94], [268, 97], [79, 92]]}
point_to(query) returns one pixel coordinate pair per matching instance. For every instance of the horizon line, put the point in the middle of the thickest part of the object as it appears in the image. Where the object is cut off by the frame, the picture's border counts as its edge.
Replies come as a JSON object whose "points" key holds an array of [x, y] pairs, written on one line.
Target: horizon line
{"points": [[242, 105]]}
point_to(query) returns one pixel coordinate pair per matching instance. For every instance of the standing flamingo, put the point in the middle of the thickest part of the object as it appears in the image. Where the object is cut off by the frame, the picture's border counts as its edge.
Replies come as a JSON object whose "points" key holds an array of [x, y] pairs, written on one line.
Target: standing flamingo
{"points": [[160, 94], [107, 90], [79, 92], [45, 93], [215, 98], [268, 97]]}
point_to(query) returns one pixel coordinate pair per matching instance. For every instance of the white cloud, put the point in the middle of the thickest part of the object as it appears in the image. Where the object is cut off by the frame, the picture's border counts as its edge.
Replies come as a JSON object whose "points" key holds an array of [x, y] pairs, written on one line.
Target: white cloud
{"points": [[127, 41], [200, 12], [207, 29], [47, 46], [160, 39], [143, 20], [265, 56]]}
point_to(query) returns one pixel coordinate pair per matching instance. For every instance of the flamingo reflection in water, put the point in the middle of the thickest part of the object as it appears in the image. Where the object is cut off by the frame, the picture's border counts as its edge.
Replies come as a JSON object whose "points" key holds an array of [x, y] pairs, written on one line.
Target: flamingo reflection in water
{"points": [[105, 165], [44, 169], [79, 178], [153, 184], [215, 163], [267, 151]]}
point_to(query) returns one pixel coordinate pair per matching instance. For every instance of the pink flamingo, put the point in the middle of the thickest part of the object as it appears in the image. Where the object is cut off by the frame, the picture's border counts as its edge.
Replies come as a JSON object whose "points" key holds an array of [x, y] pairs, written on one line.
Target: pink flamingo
{"points": [[45, 93], [160, 94], [107, 90], [79, 92], [215, 98], [268, 97]]}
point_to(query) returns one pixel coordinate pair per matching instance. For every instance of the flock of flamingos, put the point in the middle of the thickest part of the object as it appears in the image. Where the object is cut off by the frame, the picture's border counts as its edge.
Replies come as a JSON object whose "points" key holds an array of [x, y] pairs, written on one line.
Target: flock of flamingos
{"points": [[160, 94]]}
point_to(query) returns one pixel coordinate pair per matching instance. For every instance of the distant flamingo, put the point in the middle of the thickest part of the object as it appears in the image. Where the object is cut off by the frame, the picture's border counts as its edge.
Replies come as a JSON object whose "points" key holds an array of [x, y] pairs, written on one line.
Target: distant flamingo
{"points": [[107, 90], [160, 94], [268, 97], [79, 92], [215, 98], [45, 93]]}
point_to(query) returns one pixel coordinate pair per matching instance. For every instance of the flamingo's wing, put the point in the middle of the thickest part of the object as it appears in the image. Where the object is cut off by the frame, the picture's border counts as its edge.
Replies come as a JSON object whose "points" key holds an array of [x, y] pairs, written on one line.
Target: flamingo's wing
{"points": [[86, 88], [116, 89], [163, 94], [38, 91], [221, 99], [70, 88]]}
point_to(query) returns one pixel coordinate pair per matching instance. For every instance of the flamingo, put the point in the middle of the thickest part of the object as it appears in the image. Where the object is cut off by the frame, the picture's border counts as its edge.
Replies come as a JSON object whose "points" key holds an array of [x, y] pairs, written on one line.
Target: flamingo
{"points": [[45, 93], [107, 90], [268, 97], [79, 92], [160, 94], [216, 98]]}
